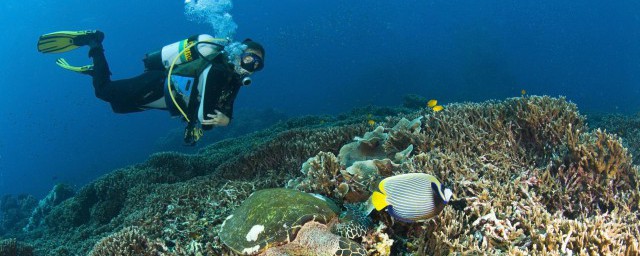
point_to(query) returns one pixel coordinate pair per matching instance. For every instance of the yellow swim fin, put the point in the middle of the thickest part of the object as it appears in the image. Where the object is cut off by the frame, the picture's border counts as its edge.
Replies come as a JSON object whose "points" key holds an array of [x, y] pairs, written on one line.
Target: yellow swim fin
{"points": [[81, 69], [64, 41]]}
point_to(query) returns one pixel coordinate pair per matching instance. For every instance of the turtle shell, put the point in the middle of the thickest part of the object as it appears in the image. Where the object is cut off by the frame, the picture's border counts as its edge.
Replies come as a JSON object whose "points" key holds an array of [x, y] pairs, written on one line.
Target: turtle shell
{"points": [[272, 217]]}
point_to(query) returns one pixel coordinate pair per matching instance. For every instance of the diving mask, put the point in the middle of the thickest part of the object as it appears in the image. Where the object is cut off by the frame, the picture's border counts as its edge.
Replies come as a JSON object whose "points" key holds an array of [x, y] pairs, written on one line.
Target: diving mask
{"points": [[251, 62]]}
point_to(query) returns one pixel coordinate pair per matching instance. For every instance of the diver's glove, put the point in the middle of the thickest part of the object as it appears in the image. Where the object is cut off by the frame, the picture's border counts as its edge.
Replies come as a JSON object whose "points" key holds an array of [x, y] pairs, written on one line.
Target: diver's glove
{"points": [[192, 134]]}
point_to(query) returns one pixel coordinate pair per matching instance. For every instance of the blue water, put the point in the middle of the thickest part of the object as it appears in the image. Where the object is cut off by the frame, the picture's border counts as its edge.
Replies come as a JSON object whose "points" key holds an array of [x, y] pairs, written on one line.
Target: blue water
{"points": [[321, 57]]}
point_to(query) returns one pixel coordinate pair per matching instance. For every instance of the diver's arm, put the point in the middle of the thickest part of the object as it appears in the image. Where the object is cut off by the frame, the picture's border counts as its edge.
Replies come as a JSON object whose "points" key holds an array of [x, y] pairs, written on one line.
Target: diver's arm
{"points": [[224, 112]]}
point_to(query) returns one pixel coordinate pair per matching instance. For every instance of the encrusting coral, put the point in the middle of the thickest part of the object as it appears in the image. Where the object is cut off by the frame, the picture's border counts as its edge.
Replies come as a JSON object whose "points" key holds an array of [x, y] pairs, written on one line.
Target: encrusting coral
{"points": [[529, 177]]}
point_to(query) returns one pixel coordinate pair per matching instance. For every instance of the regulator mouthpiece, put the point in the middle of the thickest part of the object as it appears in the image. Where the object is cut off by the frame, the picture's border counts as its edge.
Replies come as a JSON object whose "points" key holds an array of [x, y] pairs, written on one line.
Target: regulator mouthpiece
{"points": [[246, 81]]}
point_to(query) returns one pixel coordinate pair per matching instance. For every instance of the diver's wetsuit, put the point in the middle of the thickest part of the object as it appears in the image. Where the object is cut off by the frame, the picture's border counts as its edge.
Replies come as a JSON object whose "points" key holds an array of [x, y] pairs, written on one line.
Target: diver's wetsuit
{"points": [[130, 95]]}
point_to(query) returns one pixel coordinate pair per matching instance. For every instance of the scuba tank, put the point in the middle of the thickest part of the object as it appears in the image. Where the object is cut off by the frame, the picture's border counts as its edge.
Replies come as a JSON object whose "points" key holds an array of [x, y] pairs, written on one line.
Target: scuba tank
{"points": [[189, 60]]}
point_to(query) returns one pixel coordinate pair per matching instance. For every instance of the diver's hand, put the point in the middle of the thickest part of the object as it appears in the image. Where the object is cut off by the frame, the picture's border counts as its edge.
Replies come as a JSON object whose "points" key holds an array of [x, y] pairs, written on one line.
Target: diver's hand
{"points": [[219, 119]]}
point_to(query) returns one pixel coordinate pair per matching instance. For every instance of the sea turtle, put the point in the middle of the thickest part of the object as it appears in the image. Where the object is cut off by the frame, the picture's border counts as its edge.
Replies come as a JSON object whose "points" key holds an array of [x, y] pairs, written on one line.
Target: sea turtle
{"points": [[285, 222]]}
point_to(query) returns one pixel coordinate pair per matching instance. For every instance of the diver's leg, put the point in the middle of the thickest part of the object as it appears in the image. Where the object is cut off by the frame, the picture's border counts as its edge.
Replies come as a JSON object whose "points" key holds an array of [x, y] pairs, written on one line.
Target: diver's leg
{"points": [[125, 95], [130, 95], [100, 73]]}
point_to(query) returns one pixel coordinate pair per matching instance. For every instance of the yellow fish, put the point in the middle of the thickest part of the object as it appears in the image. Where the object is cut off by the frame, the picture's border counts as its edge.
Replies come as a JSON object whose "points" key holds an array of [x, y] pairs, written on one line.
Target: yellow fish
{"points": [[437, 108], [371, 122], [432, 103], [411, 197], [523, 92]]}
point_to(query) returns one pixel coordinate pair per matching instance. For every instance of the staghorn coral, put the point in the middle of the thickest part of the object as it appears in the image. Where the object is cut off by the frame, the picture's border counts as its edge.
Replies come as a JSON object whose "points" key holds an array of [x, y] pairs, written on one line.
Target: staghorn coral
{"points": [[520, 198], [129, 241], [322, 173], [626, 127], [595, 169]]}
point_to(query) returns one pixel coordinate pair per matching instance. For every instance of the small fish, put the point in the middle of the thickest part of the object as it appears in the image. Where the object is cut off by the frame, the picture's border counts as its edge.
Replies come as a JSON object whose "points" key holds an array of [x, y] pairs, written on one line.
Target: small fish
{"points": [[371, 122], [411, 197], [523, 92], [437, 108], [432, 103]]}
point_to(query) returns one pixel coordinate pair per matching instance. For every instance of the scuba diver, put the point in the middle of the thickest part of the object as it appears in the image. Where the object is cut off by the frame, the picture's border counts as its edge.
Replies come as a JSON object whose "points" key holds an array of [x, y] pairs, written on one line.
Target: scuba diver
{"points": [[197, 78]]}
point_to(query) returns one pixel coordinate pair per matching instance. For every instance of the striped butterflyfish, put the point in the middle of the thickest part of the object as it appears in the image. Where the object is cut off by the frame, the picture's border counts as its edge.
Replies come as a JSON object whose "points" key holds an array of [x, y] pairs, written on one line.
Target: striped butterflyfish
{"points": [[411, 197]]}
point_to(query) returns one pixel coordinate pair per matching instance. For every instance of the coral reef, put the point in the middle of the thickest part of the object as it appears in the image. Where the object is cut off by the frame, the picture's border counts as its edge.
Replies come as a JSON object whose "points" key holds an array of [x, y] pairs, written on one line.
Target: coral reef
{"points": [[351, 176], [626, 127], [11, 247], [321, 172], [516, 167], [546, 190], [414, 101], [15, 212], [529, 177], [128, 241], [287, 150], [245, 121], [57, 195]]}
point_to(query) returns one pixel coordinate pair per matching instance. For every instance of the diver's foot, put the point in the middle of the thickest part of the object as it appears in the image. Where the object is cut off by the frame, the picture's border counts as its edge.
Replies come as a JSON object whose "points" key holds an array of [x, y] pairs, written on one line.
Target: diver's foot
{"points": [[92, 38], [64, 41]]}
